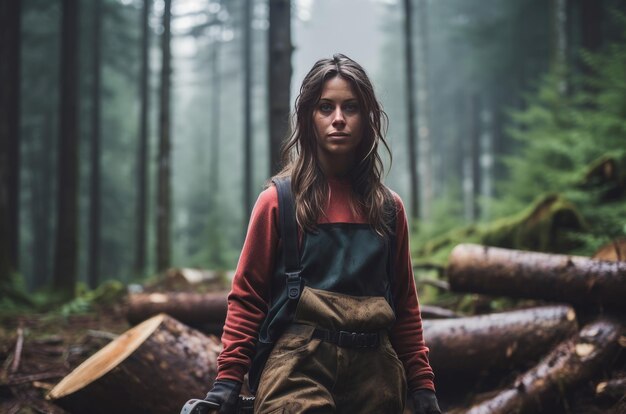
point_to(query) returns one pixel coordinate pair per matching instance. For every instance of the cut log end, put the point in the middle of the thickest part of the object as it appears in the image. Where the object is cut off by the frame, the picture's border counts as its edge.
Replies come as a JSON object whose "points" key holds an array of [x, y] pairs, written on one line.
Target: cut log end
{"points": [[106, 359], [159, 354]]}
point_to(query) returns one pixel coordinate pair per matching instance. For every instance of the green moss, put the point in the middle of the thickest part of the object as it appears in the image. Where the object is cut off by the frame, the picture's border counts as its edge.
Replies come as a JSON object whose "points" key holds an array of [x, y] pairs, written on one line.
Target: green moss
{"points": [[549, 224]]}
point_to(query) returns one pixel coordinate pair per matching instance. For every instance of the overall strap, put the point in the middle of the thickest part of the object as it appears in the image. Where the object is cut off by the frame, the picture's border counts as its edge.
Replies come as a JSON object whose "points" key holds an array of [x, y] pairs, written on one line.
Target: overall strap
{"points": [[392, 219], [289, 234]]}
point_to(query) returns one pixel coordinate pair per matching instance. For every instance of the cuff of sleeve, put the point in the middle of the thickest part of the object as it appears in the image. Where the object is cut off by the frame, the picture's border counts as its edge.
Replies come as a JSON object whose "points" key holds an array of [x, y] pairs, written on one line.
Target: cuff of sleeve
{"points": [[421, 384], [234, 373]]}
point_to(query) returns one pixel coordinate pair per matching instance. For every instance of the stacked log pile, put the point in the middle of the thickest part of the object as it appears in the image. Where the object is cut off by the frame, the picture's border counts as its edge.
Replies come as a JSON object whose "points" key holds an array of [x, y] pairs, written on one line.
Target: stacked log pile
{"points": [[520, 361], [597, 289]]}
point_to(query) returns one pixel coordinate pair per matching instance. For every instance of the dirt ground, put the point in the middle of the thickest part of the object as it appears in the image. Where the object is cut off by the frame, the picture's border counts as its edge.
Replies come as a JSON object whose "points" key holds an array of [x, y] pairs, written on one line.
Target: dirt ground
{"points": [[38, 350]]}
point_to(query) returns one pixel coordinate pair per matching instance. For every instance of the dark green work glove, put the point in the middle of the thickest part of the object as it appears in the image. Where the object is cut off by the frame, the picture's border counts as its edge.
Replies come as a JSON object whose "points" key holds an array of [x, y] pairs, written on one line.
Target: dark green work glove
{"points": [[425, 402], [226, 394]]}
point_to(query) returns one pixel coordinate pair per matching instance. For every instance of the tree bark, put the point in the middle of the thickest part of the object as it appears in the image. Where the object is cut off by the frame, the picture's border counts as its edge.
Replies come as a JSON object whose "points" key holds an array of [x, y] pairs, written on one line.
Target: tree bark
{"points": [[93, 276], [216, 94], [591, 18], [43, 163], [142, 151], [165, 157], [463, 350], [520, 274], [247, 110], [67, 188], [571, 362], [190, 308], [423, 113], [10, 40], [412, 143], [471, 178], [279, 72], [154, 367]]}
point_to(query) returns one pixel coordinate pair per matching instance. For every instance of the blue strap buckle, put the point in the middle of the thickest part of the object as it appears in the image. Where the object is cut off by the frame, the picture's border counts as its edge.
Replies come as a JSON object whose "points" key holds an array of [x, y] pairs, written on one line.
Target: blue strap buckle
{"points": [[294, 285]]}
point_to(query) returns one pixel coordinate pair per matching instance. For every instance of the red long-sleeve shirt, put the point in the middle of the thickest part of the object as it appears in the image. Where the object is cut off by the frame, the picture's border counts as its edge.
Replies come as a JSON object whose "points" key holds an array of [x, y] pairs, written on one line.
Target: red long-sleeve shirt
{"points": [[249, 298]]}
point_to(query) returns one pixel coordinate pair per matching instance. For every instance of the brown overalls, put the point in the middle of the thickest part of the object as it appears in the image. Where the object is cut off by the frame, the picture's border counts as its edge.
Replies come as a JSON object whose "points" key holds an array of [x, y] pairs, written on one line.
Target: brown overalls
{"points": [[328, 350]]}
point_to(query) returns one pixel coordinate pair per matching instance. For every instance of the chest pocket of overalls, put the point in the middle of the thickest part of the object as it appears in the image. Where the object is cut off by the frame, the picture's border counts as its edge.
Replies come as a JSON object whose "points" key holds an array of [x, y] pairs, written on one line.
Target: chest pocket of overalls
{"points": [[336, 311], [347, 286]]}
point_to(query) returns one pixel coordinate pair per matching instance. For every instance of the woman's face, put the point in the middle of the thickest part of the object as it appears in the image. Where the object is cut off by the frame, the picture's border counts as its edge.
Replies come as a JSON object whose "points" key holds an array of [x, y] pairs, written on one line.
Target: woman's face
{"points": [[338, 126]]}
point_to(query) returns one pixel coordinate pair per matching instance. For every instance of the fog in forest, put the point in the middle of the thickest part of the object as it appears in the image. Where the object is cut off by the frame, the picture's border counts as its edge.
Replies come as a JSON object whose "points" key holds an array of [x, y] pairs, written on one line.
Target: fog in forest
{"points": [[487, 80]]}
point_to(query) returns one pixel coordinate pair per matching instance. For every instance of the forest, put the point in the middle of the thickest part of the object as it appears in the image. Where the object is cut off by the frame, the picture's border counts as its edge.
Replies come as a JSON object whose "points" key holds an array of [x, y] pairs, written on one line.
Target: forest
{"points": [[136, 135]]}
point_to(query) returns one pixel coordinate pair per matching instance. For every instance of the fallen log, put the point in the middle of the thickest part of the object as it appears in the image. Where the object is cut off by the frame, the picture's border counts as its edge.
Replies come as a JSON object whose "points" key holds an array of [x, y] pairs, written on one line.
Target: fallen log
{"points": [[152, 368], [189, 308], [571, 362], [207, 311], [463, 350], [437, 312], [521, 274]]}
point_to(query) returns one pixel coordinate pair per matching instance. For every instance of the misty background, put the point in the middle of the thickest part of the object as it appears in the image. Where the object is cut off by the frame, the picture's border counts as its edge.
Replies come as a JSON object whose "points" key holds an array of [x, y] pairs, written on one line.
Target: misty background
{"points": [[500, 90]]}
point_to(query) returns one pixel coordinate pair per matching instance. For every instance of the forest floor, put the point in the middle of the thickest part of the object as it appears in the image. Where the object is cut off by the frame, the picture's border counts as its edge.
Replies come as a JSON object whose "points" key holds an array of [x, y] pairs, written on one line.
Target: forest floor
{"points": [[38, 349]]}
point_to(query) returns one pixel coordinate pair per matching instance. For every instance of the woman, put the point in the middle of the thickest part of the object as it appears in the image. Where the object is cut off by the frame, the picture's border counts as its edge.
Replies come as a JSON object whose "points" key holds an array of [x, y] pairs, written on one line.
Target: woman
{"points": [[339, 331]]}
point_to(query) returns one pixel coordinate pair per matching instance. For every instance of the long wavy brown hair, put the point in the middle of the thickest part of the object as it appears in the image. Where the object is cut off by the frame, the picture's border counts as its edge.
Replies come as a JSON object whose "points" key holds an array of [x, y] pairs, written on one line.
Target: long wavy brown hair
{"points": [[299, 152]]}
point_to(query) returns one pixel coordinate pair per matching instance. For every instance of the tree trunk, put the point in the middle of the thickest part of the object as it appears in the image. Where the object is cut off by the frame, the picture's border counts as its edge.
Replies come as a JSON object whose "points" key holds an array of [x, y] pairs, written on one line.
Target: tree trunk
{"points": [[164, 158], [214, 160], [154, 367], [93, 276], [279, 72], [67, 188], [559, 32], [573, 279], [142, 151], [189, 308], [247, 110], [423, 116], [10, 41], [486, 156], [570, 363], [591, 17], [560, 41], [414, 210], [464, 350], [44, 225], [471, 181]]}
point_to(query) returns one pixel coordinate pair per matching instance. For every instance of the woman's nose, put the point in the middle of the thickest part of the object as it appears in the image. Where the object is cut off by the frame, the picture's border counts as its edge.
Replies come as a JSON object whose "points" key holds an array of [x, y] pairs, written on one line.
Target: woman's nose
{"points": [[338, 117]]}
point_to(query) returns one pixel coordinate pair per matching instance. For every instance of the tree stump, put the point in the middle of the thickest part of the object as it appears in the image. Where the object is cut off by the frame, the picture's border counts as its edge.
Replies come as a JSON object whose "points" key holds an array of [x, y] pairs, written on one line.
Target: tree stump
{"points": [[154, 368]]}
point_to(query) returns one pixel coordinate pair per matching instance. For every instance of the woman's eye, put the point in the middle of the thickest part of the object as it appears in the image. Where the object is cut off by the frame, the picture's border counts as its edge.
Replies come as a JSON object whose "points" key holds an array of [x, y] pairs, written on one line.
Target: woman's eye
{"points": [[351, 107], [326, 107]]}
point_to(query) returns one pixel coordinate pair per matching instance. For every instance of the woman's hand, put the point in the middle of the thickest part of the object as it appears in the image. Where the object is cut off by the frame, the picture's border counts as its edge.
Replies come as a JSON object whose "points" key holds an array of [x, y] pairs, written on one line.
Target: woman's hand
{"points": [[226, 394], [425, 402]]}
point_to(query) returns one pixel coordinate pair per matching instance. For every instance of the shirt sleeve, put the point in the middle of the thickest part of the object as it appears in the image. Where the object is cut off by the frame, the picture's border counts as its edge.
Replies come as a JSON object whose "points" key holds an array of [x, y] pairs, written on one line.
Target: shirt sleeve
{"points": [[249, 297], [406, 335]]}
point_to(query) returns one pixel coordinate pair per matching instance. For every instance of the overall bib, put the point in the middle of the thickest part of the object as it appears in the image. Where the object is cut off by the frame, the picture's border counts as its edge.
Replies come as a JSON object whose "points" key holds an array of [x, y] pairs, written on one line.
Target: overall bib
{"points": [[326, 349]]}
